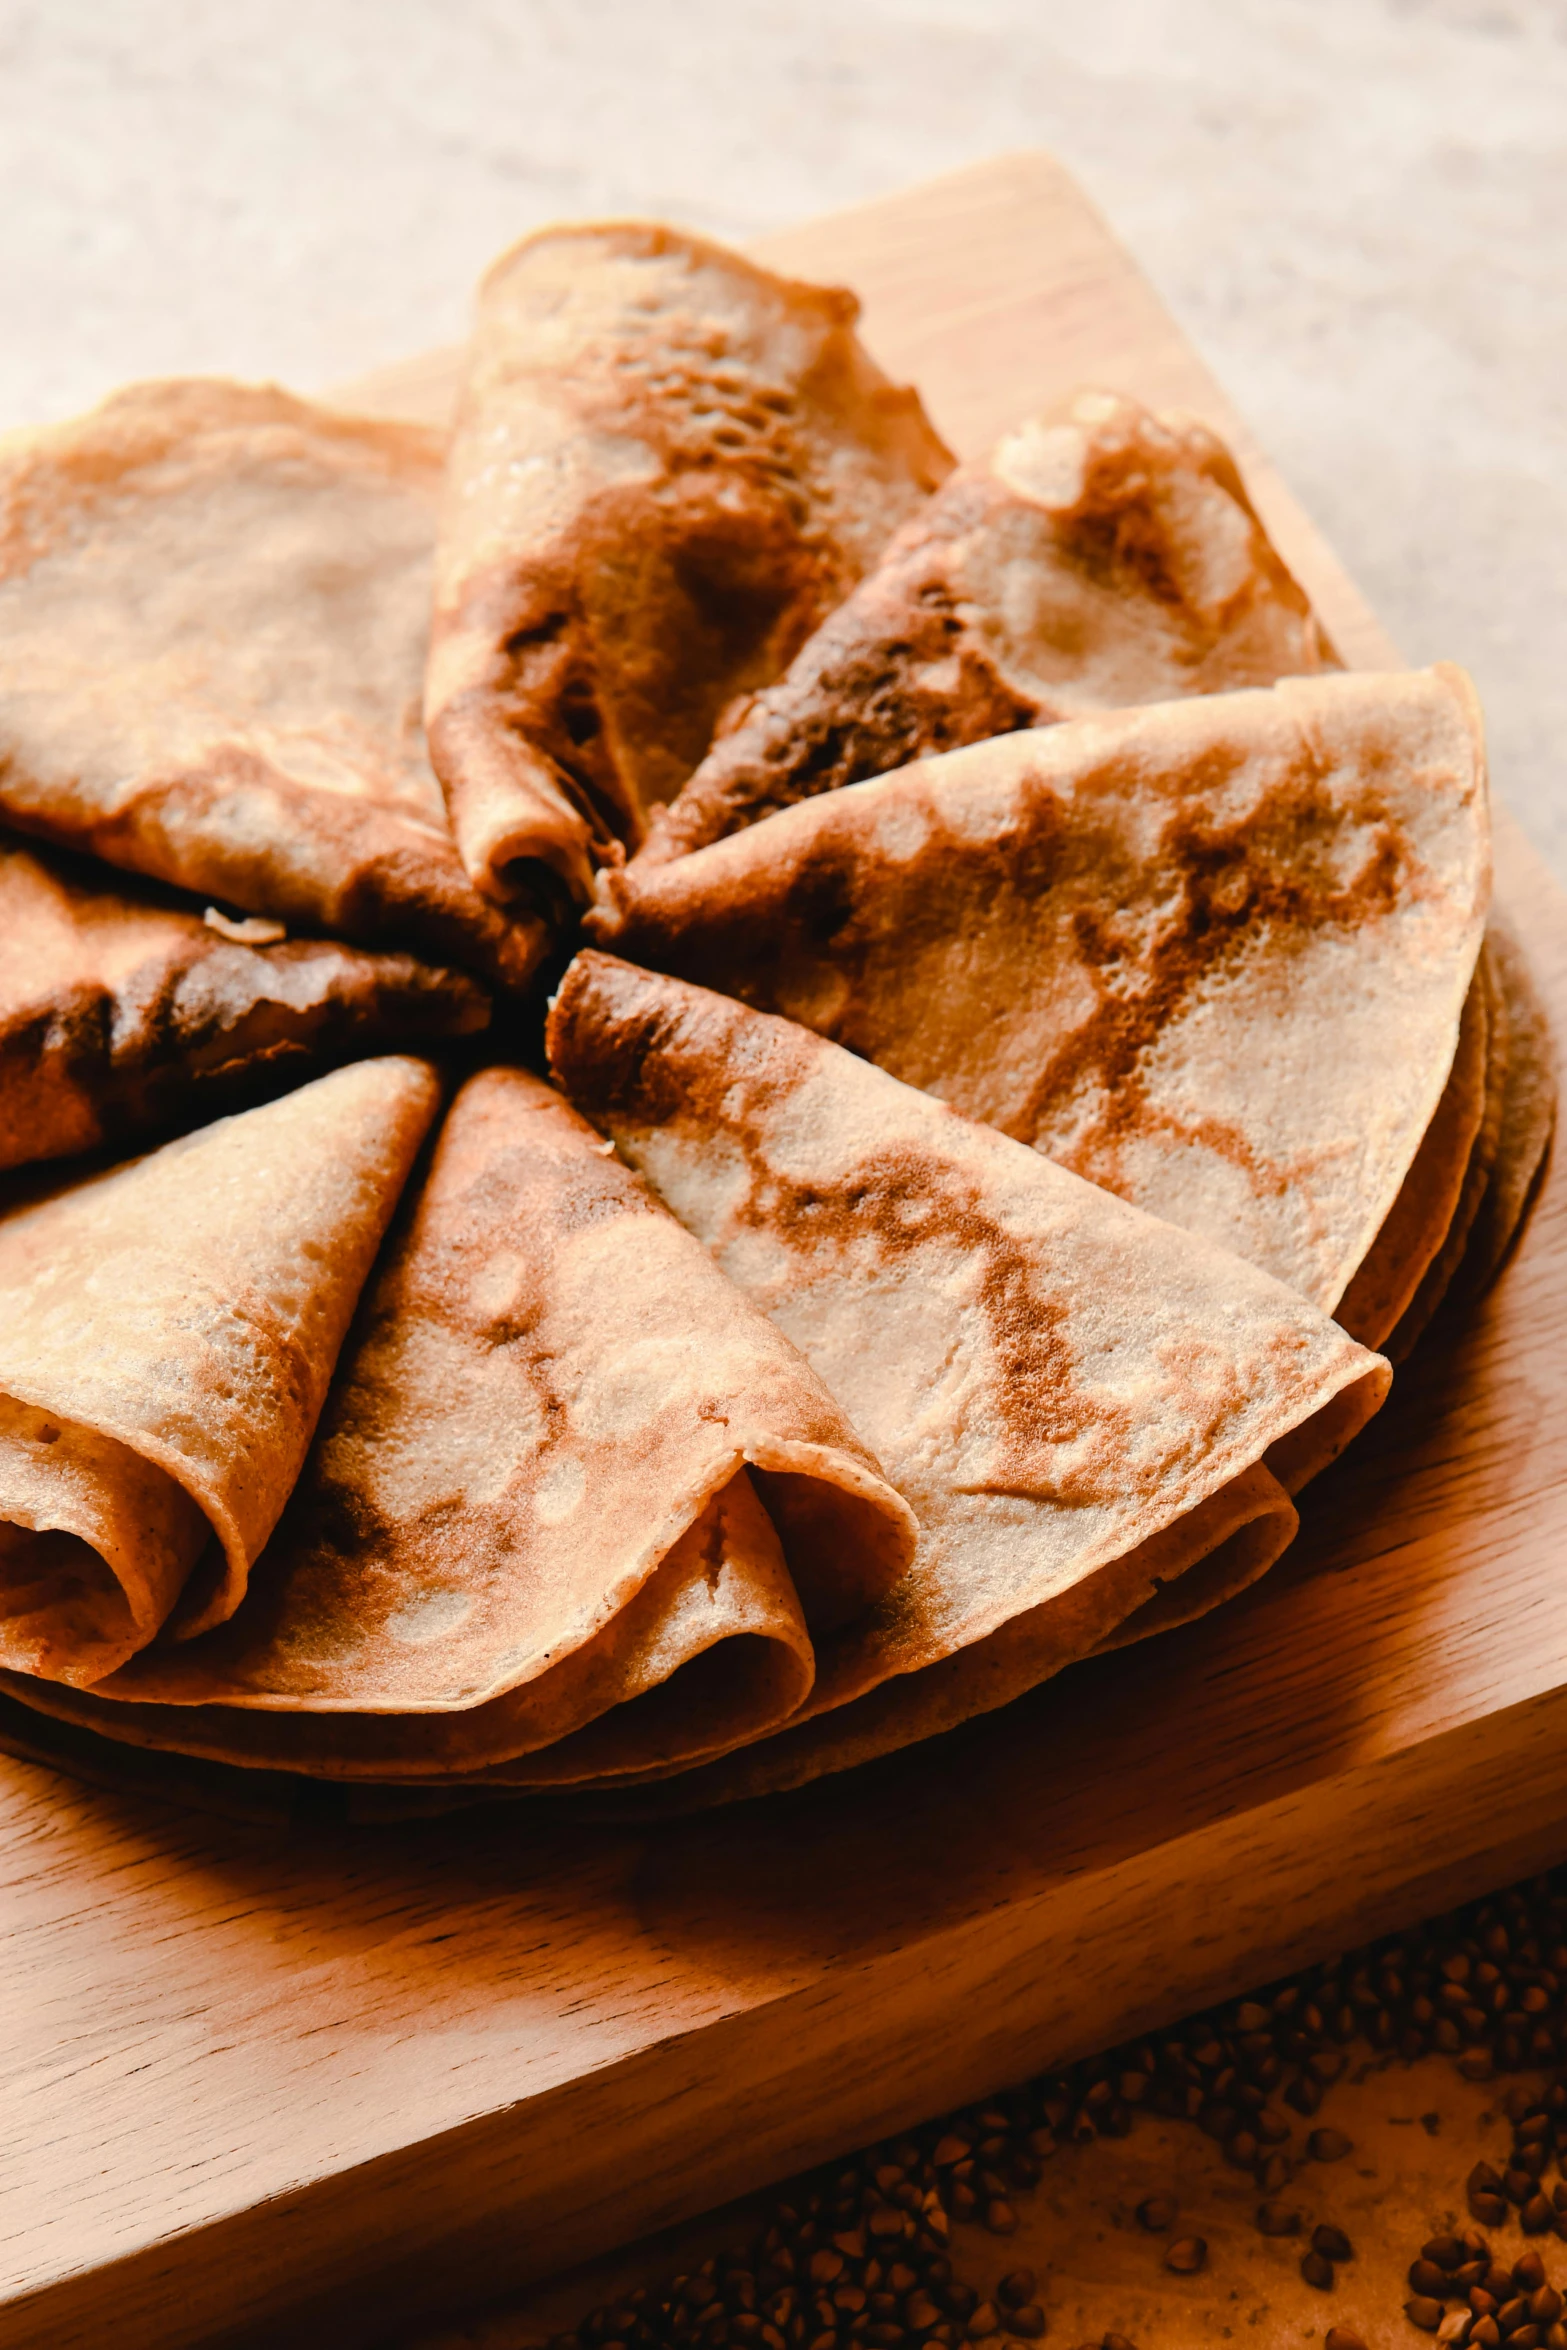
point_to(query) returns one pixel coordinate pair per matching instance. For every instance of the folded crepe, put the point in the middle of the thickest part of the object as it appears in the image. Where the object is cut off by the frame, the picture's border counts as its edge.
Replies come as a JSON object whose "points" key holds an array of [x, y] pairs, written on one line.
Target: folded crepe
{"points": [[1079, 1401], [1507, 1099], [571, 1490], [1527, 1115], [214, 609], [167, 1332], [123, 1011], [1100, 556], [669, 465], [1212, 955], [1401, 1280]]}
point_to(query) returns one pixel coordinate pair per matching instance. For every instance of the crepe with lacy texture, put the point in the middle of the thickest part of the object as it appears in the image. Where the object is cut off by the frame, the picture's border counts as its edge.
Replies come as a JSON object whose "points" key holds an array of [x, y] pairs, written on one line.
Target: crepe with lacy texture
{"points": [[1101, 556], [1212, 955], [123, 1011], [214, 611], [1079, 1401], [167, 1332], [572, 1491], [669, 465]]}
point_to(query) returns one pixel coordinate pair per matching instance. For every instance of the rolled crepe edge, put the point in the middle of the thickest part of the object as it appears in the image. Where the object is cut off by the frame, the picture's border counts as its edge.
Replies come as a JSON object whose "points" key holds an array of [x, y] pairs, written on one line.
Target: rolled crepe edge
{"points": [[239, 1550], [1308, 1448], [197, 1730], [772, 1456], [1410, 1235], [990, 1673], [144, 1538], [511, 810]]}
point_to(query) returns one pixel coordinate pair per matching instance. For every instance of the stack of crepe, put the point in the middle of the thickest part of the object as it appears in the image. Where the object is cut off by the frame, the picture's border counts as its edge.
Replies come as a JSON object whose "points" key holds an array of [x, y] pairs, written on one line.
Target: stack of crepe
{"points": [[1038, 1059]]}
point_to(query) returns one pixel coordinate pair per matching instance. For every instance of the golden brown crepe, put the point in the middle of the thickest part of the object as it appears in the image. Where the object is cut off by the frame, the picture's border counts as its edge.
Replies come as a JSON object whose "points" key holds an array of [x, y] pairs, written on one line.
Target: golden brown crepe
{"points": [[1100, 556], [1502, 1096], [1422, 1241], [1211, 955], [1528, 1115], [669, 465], [214, 609], [571, 1490], [123, 1011], [167, 1332], [709, 1652], [1079, 1401]]}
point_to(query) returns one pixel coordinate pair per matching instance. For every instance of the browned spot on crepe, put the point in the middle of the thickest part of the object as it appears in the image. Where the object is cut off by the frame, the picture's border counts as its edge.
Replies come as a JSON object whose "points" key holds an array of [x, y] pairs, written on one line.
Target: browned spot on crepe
{"points": [[904, 1206], [1263, 878]]}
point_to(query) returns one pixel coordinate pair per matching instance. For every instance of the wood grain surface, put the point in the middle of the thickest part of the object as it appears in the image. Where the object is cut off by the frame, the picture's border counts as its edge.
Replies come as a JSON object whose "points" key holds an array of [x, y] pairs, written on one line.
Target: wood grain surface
{"points": [[306, 2083]]}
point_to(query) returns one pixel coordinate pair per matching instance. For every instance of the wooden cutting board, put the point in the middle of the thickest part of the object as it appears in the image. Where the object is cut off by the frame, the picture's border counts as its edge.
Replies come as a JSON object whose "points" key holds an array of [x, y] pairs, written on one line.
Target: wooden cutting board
{"points": [[311, 2082]]}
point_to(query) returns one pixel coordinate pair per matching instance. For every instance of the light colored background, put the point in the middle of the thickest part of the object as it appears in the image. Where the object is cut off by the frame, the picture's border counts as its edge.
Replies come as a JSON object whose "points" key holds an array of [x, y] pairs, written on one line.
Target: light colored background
{"points": [[1357, 207]]}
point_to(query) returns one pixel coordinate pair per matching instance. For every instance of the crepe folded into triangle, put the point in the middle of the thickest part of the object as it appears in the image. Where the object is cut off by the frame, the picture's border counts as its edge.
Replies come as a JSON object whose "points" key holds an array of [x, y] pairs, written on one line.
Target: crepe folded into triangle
{"points": [[167, 1332], [1079, 1401], [123, 1011], [1100, 556], [669, 464], [214, 613], [571, 1491], [1212, 955]]}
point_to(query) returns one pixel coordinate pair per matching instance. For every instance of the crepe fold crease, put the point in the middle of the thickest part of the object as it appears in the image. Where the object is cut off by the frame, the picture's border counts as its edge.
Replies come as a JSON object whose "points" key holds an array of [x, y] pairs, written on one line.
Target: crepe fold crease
{"points": [[669, 464], [1079, 1401], [214, 617], [167, 1333], [572, 1492], [1213, 955]]}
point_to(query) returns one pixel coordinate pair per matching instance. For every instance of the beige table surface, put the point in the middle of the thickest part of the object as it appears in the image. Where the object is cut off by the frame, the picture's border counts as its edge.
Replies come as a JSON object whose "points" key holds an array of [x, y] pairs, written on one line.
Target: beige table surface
{"points": [[1358, 208]]}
